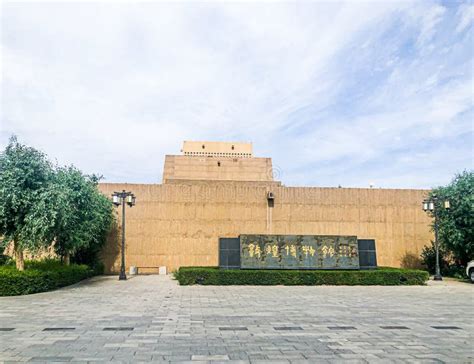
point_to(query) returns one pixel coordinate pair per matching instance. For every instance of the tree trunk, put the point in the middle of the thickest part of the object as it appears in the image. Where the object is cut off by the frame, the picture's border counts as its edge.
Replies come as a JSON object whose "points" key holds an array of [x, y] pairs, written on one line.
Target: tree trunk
{"points": [[67, 258], [20, 262]]}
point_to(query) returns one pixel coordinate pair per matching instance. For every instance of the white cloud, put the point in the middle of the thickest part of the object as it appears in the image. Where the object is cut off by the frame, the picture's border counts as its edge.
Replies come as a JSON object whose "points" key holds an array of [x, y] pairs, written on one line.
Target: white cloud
{"points": [[429, 20], [114, 87], [466, 15]]}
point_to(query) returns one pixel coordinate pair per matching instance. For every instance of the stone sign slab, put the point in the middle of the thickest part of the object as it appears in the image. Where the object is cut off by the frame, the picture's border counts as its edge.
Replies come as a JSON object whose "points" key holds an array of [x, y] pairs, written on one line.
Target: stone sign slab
{"points": [[299, 252]]}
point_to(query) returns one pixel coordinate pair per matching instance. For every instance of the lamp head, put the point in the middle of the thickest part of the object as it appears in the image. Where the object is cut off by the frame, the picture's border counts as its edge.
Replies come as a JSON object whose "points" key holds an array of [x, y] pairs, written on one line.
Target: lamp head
{"points": [[425, 205], [131, 200], [116, 199], [431, 206]]}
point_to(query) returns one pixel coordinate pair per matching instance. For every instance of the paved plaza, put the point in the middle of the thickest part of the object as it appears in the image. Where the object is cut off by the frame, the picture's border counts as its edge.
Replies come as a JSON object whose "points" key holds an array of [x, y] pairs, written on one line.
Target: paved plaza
{"points": [[151, 318]]}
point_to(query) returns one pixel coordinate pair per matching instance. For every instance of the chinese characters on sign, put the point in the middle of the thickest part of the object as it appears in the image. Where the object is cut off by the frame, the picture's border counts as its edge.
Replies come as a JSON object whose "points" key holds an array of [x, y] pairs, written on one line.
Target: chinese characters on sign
{"points": [[299, 252]]}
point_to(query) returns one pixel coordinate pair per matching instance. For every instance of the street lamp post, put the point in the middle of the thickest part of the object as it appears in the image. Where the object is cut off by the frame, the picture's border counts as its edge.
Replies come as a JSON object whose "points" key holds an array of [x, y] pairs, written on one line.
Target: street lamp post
{"points": [[122, 198], [431, 206]]}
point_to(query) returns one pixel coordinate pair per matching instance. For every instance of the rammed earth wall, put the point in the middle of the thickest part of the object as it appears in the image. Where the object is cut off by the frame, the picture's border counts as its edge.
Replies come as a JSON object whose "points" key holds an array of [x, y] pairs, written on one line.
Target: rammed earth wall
{"points": [[179, 224]]}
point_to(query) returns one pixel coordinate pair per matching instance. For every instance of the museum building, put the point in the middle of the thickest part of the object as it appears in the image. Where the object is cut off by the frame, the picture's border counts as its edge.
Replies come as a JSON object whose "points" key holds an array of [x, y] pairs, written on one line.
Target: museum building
{"points": [[215, 191]]}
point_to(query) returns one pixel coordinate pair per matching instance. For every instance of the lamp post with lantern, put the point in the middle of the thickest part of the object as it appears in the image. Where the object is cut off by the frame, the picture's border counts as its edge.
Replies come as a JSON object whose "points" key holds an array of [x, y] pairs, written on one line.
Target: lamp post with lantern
{"points": [[431, 205], [122, 198]]}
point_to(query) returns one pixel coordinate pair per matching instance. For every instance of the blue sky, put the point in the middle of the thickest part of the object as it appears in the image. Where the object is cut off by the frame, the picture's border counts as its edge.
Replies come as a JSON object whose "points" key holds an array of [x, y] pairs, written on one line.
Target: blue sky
{"points": [[336, 93]]}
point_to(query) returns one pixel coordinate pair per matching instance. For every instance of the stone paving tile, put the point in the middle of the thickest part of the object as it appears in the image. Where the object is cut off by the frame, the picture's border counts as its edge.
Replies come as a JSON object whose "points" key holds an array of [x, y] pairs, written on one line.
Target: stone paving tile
{"points": [[151, 318]]}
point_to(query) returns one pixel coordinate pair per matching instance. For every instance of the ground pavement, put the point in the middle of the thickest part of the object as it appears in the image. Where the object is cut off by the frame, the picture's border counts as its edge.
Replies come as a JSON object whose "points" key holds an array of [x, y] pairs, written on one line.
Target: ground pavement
{"points": [[151, 318]]}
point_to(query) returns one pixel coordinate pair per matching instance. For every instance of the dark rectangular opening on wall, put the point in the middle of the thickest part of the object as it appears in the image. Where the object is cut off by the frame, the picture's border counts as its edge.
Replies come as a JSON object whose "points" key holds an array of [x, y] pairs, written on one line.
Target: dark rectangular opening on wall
{"points": [[367, 253], [229, 253]]}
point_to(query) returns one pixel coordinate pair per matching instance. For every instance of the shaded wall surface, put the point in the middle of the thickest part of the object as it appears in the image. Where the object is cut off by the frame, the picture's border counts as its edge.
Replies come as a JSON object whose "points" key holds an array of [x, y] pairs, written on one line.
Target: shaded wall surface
{"points": [[183, 167], [177, 225]]}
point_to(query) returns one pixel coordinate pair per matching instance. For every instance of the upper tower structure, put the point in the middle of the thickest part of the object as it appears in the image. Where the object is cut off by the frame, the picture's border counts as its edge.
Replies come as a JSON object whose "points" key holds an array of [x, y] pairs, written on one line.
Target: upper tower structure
{"points": [[218, 149], [217, 161]]}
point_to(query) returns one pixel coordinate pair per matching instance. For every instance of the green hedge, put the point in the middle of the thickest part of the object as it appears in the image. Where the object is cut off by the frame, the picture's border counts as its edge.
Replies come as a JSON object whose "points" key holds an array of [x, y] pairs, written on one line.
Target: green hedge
{"points": [[41, 276], [379, 276]]}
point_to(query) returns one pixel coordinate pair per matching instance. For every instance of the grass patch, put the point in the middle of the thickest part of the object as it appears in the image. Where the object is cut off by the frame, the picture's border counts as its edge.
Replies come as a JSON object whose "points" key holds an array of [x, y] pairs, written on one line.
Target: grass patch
{"points": [[41, 276], [380, 276]]}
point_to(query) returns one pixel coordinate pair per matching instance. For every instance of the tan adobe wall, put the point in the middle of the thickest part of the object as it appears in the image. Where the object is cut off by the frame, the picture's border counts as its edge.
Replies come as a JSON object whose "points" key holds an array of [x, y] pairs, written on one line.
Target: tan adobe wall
{"points": [[177, 225], [183, 167]]}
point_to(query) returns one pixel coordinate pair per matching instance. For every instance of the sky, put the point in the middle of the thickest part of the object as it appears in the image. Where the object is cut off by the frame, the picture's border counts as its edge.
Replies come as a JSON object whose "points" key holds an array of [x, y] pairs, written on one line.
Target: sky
{"points": [[336, 93]]}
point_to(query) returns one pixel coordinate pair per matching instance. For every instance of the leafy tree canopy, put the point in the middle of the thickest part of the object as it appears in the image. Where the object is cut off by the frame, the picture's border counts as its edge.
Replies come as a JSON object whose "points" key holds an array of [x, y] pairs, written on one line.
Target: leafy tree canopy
{"points": [[84, 215], [25, 179], [41, 204], [456, 225]]}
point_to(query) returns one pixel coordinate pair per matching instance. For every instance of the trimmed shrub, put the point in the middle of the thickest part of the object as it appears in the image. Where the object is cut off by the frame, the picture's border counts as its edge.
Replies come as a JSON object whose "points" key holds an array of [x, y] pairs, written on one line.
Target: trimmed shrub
{"points": [[379, 276], [41, 277]]}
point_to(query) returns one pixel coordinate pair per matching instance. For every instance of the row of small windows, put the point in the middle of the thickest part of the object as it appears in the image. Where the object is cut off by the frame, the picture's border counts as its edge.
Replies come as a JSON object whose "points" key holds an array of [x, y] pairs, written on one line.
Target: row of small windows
{"points": [[219, 154], [204, 147]]}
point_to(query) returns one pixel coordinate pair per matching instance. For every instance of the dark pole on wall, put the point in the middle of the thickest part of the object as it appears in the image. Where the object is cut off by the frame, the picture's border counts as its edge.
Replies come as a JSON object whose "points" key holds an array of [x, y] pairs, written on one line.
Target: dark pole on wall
{"points": [[437, 276], [122, 198], [123, 276]]}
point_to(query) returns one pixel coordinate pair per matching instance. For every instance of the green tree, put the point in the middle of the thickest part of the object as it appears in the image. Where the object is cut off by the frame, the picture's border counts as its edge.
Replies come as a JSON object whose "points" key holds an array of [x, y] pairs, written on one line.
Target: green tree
{"points": [[456, 225], [25, 215], [83, 214]]}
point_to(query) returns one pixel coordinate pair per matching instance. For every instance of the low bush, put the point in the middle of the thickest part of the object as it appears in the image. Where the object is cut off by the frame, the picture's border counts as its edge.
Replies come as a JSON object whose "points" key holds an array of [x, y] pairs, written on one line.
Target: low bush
{"points": [[41, 276], [428, 258], [448, 267], [454, 271], [379, 276], [5, 259]]}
